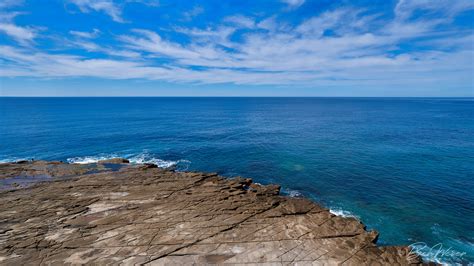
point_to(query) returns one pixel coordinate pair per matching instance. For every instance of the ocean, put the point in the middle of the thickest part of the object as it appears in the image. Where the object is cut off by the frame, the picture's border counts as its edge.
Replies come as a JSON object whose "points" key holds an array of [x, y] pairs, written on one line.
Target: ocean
{"points": [[404, 166]]}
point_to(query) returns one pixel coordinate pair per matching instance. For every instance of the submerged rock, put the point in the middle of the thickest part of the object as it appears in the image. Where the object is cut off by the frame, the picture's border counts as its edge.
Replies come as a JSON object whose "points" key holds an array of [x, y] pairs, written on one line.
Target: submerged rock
{"points": [[142, 215]]}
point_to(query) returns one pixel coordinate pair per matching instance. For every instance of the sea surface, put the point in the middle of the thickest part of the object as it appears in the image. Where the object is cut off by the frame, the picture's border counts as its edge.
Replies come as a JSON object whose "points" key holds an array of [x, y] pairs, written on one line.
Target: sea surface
{"points": [[404, 166]]}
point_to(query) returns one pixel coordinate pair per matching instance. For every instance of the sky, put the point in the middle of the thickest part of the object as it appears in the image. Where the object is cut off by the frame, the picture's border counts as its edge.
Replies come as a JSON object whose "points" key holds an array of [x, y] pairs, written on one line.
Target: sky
{"points": [[237, 48]]}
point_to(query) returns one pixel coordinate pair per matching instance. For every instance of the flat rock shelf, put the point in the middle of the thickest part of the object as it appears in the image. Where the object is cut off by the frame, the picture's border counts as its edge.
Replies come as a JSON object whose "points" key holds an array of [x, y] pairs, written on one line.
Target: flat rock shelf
{"points": [[128, 214]]}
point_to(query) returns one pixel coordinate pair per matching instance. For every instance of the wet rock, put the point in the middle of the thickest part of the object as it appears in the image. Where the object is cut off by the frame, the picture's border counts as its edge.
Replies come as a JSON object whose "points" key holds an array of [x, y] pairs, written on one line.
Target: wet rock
{"points": [[32, 169], [150, 165], [149, 215], [114, 161]]}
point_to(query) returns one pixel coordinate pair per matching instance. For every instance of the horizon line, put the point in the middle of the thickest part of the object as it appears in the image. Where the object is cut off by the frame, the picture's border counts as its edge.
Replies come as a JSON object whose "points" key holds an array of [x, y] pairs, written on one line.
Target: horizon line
{"points": [[217, 96]]}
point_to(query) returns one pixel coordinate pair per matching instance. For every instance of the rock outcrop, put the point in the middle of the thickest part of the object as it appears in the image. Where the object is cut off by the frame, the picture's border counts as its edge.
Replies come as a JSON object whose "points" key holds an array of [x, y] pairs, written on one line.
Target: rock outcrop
{"points": [[143, 215], [114, 161]]}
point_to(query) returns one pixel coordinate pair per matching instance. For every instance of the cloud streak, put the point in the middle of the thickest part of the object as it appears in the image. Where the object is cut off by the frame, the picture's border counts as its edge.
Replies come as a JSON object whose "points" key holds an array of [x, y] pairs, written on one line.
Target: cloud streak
{"points": [[340, 47], [293, 3], [113, 9], [85, 34], [106, 6], [23, 35]]}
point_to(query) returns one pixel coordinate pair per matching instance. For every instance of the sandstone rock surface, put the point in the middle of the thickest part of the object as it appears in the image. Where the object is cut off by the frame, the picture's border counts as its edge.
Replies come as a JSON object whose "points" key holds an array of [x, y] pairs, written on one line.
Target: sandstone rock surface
{"points": [[138, 214]]}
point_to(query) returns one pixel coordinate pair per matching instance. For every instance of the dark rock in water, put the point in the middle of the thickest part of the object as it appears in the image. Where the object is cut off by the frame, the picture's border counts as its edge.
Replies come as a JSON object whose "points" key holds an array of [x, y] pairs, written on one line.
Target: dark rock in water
{"points": [[144, 214], [150, 165], [114, 161]]}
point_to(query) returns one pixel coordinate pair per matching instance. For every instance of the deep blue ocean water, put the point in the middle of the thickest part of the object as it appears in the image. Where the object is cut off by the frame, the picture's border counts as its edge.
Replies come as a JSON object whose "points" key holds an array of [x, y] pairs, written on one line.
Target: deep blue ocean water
{"points": [[404, 166]]}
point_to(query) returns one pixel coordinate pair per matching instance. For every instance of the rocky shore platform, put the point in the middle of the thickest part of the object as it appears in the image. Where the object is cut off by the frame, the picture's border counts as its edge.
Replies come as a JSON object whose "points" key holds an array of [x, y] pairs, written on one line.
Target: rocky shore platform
{"points": [[113, 212]]}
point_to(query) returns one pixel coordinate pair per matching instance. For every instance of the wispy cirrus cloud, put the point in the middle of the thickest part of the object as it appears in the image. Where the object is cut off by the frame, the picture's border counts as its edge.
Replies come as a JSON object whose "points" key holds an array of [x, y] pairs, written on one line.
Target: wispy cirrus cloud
{"points": [[43, 65], [406, 8], [24, 35], [86, 34], [194, 12], [293, 3], [345, 46], [240, 21], [112, 8], [10, 3], [85, 40], [108, 7]]}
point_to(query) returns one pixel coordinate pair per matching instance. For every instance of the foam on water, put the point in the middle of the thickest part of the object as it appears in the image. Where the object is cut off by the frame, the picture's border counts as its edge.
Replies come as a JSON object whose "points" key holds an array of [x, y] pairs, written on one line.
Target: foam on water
{"points": [[12, 160], [292, 193], [135, 159], [147, 158], [343, 213], [90, 159]]}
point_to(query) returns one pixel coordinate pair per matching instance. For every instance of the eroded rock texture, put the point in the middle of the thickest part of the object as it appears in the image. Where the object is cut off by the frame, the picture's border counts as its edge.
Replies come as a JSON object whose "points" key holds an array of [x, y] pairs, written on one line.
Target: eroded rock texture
{"points": [[146, 215]]}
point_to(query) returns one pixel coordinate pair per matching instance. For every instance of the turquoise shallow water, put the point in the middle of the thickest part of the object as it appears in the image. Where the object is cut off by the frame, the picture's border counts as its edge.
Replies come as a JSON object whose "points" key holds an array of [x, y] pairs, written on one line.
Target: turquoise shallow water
{"points": [[403, 166]]}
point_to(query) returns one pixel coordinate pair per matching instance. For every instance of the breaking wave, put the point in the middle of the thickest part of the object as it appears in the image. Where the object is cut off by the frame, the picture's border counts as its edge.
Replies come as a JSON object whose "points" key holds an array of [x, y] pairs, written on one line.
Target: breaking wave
{"points": [[136, 159], [342, 213], [89, 159], [12, 160]]}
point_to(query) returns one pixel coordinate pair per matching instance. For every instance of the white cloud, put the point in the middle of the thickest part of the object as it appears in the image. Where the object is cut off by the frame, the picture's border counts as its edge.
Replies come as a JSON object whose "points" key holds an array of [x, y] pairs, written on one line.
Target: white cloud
{"points": [[358, 52], [194, 12], [4, 4], [93, 47], [85, 34], [88, 45], [109, 7], [293, 3], [240, 21], [145, 2], [360, 73], [9, 16], [23, 35], [405, 8], [149, 41], [327, 20], [268, 24], [106, 6]]}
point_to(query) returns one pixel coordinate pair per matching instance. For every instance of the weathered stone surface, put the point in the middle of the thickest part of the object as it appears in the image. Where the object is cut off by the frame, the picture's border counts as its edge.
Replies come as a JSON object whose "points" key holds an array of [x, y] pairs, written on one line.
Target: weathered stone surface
{"points": [[143, 215], [45, 168]]}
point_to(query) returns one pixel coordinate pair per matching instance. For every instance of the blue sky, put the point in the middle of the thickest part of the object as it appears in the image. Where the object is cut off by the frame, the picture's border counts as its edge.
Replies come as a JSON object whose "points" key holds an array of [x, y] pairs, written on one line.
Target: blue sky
{"points": [[237, 48]]}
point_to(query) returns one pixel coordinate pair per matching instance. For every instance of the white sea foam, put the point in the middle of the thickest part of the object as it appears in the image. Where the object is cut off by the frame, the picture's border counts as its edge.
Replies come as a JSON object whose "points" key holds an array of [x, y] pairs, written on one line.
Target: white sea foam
{"points": [[12, 160], [135, 159], [342, 213], [147, 158], [90, 159], [292, 193]]}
